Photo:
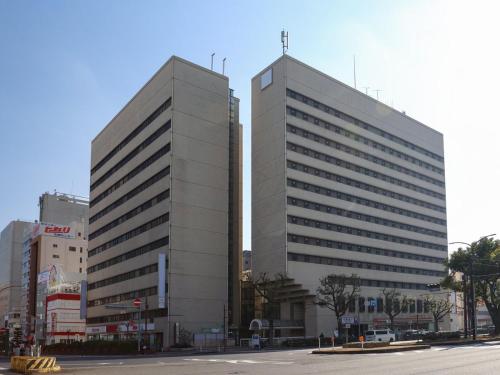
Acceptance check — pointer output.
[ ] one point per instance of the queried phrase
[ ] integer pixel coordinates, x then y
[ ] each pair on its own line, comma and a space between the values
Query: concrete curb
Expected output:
390, 349
459, 343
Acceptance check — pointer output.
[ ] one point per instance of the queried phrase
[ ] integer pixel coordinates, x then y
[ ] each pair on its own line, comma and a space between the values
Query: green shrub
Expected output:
442, 335
92, 347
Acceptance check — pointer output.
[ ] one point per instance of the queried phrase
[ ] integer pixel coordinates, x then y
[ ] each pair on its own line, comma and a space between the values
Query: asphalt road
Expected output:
471, 359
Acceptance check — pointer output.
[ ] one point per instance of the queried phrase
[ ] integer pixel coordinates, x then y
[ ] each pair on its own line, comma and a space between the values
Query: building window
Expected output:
55, 256
72, 248
419, 306
380, 305
266, 78
81, 259
412, 306
371, 302
361, 304
54, 245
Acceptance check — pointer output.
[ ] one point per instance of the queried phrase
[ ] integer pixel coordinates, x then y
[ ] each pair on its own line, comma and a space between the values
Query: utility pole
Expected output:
465, 297
473, 301
224, 329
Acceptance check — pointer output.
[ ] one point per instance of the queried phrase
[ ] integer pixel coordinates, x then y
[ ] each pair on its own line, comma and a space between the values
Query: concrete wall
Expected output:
268, 174
199, 227
64, 209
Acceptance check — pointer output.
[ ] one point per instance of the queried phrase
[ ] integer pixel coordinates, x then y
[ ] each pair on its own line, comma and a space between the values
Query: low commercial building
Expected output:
51, 249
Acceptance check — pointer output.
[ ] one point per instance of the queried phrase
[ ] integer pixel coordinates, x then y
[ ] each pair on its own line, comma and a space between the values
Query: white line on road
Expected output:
237, 361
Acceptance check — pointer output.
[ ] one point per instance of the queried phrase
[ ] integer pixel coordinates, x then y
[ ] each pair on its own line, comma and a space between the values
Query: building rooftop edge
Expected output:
404, 115
171, 59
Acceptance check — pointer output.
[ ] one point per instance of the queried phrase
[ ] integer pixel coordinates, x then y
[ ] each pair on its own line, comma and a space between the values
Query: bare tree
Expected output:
270, 290
337, 292
394, 303
439, 308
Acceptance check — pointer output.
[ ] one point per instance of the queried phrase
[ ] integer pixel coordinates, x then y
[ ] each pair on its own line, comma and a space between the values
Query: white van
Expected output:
385, 335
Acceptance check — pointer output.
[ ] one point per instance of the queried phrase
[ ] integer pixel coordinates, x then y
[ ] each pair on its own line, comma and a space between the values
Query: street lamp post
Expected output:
472, 293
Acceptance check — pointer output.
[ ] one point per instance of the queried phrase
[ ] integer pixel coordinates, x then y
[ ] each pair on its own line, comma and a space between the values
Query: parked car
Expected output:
383, 335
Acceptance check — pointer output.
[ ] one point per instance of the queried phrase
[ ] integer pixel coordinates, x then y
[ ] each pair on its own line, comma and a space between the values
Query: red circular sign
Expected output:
137, 302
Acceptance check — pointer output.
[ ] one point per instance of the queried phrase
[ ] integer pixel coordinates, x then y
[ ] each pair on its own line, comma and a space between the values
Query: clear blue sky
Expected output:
66, 67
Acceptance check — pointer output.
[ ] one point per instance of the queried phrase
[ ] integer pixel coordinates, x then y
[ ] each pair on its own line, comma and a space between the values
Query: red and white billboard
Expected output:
53, 230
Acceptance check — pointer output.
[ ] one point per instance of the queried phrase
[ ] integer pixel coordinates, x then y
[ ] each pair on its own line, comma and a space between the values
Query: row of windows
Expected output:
362, 217
133, 233
133, 134
361, 139
363, 233
364, 265
365, 202
411, 307
132, 154
360, 154
70, 248
368, 172
132, 193
129, 255
123, 297
361, 185
124, 276
132, 213
127, 317
312, 241
323, 107
134, 172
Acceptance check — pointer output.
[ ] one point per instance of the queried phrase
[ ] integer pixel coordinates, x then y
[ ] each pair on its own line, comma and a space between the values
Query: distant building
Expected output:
247, 260
63, 208
52, 249
165, 209
11, 267
59, 239
344, 184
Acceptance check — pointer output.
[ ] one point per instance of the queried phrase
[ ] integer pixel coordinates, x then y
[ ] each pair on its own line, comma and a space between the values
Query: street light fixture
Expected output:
472, 291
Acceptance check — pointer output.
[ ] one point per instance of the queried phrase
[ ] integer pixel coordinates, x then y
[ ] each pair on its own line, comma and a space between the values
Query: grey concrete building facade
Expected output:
343, 184
161, 177
11, 266
63, 209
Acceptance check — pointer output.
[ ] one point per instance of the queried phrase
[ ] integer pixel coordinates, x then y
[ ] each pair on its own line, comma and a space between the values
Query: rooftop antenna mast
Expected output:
377, 91
212, 62
284, 40
366, 89
223, 65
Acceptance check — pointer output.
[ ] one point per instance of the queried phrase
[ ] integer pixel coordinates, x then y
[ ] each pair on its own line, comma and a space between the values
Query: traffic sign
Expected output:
137, 302
348, 319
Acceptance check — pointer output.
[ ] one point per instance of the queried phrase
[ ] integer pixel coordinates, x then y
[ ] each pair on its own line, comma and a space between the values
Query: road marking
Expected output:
237, 361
